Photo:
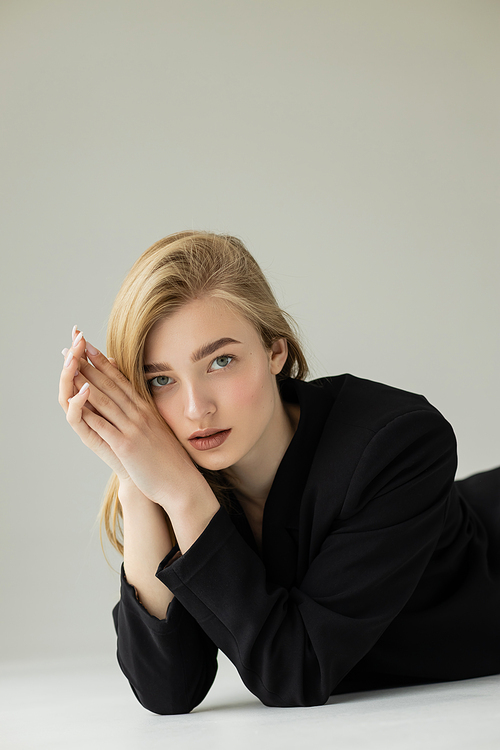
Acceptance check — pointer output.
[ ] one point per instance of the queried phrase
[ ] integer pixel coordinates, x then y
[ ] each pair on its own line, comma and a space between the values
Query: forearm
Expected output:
147, 539
191, 510
146, 542
169, 662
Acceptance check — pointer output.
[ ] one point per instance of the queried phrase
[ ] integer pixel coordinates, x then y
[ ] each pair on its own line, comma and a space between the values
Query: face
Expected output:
215, 384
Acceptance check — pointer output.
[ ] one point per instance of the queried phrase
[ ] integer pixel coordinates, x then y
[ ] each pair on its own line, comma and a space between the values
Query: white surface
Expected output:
88, 704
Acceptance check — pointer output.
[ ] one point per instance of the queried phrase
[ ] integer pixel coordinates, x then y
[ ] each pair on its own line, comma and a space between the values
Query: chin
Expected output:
212, 463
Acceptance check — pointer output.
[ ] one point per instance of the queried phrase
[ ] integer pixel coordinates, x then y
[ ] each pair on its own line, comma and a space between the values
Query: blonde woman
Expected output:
312, 531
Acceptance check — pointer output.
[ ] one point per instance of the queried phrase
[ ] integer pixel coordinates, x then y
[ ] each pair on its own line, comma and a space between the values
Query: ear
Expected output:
278, 355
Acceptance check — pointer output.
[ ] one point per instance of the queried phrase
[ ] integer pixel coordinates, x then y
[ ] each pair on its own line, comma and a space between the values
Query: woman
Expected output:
311, 531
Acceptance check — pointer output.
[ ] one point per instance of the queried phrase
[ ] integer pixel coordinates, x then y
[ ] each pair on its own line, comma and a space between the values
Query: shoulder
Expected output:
376, 437
348, 413
361, 403
362, 418
369, 400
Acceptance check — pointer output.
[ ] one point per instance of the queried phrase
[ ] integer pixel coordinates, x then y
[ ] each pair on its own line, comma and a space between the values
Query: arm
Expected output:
293, 647
124, 432
146, 540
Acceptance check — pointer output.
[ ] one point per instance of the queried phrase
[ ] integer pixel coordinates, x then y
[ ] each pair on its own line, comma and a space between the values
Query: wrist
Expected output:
188, 491
190, 514
129, 494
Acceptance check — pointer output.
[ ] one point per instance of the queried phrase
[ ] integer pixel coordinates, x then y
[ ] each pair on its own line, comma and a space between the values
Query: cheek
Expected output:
252, 391
166, 411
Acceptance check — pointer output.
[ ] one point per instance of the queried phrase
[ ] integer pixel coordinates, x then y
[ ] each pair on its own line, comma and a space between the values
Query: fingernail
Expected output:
84, 388
64, 351
92, 350
77, 373
78, 339
68, 359
73, 333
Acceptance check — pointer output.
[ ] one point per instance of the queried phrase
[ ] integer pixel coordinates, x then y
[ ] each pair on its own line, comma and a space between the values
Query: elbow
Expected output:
292, 696
166, 705
277, 687
298, 701
168, 698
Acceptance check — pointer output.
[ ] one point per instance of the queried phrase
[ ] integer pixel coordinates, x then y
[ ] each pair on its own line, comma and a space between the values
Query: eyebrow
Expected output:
201, 353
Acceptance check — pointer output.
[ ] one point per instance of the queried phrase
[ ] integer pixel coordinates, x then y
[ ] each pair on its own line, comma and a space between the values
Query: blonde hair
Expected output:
177, 269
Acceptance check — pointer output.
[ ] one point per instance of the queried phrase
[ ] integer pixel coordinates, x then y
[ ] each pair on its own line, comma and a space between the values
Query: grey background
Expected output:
352, 144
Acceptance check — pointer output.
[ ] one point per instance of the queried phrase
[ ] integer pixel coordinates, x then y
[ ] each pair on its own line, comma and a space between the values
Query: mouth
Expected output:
205, 440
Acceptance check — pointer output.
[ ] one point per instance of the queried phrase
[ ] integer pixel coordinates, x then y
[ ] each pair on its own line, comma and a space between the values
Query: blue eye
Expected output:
221, 362
159, 381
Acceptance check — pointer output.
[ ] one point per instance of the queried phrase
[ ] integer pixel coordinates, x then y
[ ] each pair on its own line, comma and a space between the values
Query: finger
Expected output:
70, 368
77, 414
80, 419
82, 394
65, 353
78, 344
75, 407
100, 403
74, 361
66, 381
108, 378
107, 366
79, 381
96, 422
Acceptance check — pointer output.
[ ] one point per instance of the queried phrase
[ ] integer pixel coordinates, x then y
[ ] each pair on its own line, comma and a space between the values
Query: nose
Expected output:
198, 403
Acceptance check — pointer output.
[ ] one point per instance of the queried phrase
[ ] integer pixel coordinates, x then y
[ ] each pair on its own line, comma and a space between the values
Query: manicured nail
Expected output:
92, 350
78, 339
73, 333
68, 359
76, 373
84, 388
64, 351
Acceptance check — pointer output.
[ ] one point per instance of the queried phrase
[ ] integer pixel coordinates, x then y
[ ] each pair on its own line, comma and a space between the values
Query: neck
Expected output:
252, 478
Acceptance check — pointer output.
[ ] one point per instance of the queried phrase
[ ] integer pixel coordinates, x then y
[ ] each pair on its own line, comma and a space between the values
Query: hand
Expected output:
68, 389
123, 429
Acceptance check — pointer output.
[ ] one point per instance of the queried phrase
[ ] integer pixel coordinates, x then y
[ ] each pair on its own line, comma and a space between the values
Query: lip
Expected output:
204, 440
205, 433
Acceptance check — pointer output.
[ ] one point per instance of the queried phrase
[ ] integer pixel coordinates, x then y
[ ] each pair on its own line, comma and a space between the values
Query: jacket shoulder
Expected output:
367, 404
376, 436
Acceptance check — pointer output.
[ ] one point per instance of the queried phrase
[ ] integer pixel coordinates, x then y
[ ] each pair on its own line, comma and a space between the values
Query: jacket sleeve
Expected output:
171, 663
293, 647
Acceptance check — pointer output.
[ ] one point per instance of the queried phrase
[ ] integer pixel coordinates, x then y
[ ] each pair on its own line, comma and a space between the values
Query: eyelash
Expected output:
230, 357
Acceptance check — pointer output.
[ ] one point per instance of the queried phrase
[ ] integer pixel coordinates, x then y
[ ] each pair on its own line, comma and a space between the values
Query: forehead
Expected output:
198, 322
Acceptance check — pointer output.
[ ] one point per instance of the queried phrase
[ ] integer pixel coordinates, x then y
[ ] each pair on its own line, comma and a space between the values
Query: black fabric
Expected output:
376, 568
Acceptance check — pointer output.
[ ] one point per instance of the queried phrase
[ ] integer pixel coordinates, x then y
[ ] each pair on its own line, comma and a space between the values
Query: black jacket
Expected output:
376, 569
